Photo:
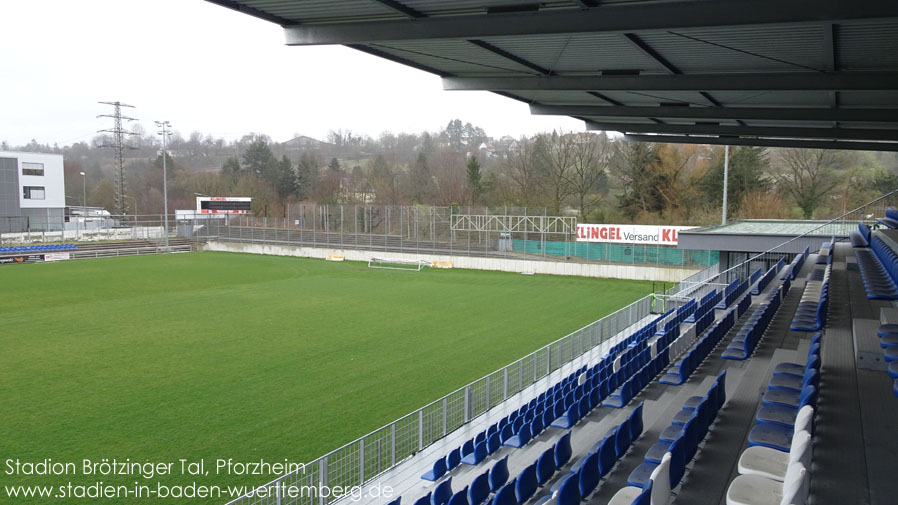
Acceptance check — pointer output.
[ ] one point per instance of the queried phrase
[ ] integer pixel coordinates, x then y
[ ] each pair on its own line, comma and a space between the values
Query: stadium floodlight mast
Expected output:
166, 126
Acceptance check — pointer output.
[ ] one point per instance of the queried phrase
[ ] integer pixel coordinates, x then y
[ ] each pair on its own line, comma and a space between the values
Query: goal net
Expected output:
398, 264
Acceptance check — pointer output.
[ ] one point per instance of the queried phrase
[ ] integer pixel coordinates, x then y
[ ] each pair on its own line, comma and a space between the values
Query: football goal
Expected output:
398, 264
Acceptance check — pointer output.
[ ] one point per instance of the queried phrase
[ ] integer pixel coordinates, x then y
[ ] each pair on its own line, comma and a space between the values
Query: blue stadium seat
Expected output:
479, 489
569, 493
787, 397
505, 495
607, 455
568, 419
442, 493
545, 467
453, 459
562, 453
525, 484
466, 449
589, 474
493, 443
635, 419
779, 437
895, 388
861, 236
424, 500
459, 498
438, 470
520, 439
396, 501
893, 369
477, 455
499, 474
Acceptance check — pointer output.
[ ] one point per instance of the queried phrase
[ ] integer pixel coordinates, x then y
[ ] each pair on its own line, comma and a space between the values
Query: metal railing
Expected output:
360, 461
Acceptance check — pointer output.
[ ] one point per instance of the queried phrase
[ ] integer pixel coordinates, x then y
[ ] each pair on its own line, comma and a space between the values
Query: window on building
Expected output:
32, 168
34, 192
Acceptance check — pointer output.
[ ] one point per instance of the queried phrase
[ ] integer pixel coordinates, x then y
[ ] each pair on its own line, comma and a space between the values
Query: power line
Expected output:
118, 135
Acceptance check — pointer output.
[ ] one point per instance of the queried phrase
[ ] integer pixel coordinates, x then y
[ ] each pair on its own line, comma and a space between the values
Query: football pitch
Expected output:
217, 355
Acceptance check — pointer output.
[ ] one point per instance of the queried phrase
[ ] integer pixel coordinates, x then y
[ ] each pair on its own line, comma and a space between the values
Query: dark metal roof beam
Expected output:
400, 8
709, 113
646, 49
256, 13
397, 59
755, 131
505, 54
586, 4
600, 96
786, 81
767, 142
613, 18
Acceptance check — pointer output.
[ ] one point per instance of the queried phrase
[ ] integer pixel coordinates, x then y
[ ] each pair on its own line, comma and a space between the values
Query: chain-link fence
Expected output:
360, 461
500, 232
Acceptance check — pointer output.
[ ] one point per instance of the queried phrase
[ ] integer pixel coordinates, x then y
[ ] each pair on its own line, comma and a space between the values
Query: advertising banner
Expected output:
57, 256
629, 233
22, 258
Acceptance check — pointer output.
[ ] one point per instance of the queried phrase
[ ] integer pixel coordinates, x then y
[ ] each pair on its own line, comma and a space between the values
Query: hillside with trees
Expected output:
595, 176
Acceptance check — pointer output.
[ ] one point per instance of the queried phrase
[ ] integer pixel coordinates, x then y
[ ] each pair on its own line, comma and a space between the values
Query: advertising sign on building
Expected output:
629, 234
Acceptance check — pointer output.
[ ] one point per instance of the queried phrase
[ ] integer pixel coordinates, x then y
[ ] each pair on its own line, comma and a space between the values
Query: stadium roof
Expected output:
802, 73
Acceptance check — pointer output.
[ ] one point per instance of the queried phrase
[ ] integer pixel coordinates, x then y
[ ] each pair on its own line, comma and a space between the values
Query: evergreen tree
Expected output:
475, 186
745, 175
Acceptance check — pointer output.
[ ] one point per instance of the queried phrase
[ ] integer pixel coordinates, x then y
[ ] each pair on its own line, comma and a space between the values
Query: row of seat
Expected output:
773, 469
812, 308
664, 464
745, 341
825, 254
707, 304
646, 368
37, 248
879, 270
768, 276
588, 471
890, 220
485, 443
791, 271
524, 486
861, 236
678, 373
753, 278
733, 291
888, 340
519, 427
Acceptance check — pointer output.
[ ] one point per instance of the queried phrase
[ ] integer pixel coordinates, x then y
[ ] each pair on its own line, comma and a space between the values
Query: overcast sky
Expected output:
209, 69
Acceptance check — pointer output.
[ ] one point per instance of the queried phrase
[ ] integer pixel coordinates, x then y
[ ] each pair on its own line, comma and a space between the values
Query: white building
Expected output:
32, 192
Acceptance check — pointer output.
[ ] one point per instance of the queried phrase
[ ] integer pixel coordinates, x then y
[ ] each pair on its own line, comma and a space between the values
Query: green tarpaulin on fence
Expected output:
621, 253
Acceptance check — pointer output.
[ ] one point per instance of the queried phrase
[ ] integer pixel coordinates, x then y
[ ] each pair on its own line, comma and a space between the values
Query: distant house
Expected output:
303, 143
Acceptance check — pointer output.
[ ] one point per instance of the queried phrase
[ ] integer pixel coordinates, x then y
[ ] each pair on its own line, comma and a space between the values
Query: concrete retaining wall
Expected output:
614, 271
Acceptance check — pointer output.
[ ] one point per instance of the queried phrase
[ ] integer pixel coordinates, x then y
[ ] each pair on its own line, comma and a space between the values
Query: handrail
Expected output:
774, 249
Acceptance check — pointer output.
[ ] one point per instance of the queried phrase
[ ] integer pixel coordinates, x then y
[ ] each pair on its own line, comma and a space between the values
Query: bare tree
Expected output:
522, 170
807, 175
450, 184
557, 152
590, 160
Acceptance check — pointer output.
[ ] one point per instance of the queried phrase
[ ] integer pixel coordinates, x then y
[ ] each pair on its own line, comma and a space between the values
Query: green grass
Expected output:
219, 355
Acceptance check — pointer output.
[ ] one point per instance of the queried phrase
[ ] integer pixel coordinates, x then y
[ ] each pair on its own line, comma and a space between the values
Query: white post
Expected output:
164, 133
726, 176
